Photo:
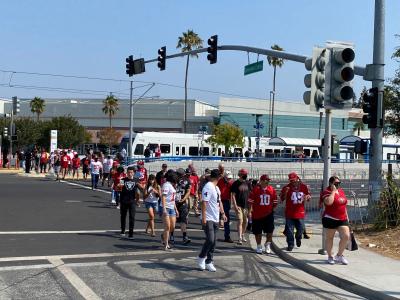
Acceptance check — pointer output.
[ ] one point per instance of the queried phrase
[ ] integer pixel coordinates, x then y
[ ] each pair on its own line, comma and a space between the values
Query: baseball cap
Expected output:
215, 173
180, 171
265, 177
243, 172
228, 174
140, 163
188, 171
164, 166
293, 176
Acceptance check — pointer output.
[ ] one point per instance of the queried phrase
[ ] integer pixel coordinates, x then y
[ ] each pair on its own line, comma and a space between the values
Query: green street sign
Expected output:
252, 68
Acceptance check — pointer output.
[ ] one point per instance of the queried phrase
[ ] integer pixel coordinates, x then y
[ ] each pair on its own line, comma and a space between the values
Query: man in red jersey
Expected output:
224, 184
294, 193
65, 162
194, 183
262, 201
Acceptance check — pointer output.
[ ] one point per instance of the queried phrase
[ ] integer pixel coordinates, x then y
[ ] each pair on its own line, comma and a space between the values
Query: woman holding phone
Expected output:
334, 219
152, 195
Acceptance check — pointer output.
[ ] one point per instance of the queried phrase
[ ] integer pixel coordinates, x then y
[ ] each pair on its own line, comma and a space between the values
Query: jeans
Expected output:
95, 180
227, 227
125, 209
210, 229
290, 225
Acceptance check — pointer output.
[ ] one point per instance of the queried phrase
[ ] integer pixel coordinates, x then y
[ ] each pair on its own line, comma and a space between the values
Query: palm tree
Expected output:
274, 62
188, 41
110, 107
37, 106
359, 126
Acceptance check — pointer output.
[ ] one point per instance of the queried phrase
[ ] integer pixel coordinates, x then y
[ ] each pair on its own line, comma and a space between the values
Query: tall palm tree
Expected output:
274, 62
37, 106
110, 107
187, 42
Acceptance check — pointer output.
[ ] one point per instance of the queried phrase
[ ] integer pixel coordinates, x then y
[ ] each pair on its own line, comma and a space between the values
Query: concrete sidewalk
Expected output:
368, 274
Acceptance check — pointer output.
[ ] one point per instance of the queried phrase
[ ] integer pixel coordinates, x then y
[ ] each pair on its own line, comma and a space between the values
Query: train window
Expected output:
165, 148
177, 150
193, 151
307, 152
206, 151
153, 147
183, 151
139, 149
219, 151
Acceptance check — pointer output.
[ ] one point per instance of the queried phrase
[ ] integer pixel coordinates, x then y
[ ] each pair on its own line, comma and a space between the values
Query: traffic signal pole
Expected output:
375, 163
130, 152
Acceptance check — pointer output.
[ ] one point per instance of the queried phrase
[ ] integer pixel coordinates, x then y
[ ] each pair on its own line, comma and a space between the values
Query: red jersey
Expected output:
65, 161
117, 178
194, 184
337, 210
263, 201
43, 158
225, 188
76, 162
143, 175
294, 198
115, 163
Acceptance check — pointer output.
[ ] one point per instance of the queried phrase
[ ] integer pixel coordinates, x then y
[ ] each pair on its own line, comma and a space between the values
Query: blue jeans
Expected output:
95, 180
227, 227
290, 225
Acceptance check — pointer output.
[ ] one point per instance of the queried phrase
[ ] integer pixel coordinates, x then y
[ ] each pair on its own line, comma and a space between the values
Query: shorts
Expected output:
56, 169
242, 215
333, 224
152, 205
170, 212
183, 210
263, 225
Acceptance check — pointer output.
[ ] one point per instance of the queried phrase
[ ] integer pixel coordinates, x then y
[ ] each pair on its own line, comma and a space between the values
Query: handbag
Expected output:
352, 243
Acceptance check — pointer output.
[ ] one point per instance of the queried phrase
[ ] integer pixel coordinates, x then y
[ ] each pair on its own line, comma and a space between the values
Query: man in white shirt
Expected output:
211, 208
107, 166
95, 168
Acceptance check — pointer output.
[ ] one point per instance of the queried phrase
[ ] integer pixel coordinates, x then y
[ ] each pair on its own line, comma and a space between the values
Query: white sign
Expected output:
53, 140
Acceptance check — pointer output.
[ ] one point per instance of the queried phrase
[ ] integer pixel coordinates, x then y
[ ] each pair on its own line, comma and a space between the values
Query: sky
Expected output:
92, 39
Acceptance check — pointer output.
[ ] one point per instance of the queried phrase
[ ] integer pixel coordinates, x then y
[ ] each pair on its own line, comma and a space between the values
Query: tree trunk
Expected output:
185, 108
38, 116
109, 115
273, 104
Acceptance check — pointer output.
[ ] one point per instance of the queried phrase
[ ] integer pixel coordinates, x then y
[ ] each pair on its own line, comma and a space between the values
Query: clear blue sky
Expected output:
93, 38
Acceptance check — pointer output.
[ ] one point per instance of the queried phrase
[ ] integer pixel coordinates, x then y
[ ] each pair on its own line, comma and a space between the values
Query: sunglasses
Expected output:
337, 183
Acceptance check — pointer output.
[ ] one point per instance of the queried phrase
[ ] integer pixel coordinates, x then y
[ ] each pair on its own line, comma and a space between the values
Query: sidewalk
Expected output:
368, 274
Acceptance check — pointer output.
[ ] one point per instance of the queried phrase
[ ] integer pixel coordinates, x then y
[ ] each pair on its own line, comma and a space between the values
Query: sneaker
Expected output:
306, 236
122, 233
341, 259
228, 240
130, 237
240, 242
331, 261
186, 240
118, 207
259, 249
201, 263
210, 267
167, 248
244, 239
289, 248
298, 243
268, 247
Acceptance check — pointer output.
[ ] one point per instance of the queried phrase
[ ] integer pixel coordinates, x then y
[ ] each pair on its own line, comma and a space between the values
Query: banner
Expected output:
53, 140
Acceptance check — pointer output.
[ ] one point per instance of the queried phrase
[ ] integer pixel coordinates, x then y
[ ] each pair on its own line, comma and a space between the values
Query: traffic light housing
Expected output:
162, 56
15, 105
370, 108
130, 66
361, 147
316, 80
339, 77
212, 49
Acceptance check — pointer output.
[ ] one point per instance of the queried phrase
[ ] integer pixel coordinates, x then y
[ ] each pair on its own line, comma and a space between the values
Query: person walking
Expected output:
65, 162
294, 194
335, 218
95, 169
115, 187
152, 195
262, 201
224, 185
57, 164
160, 176
107, 166
129, 201
44, 159
76, 164
85, 166
194, 190
211, 208
240, 191
183, 188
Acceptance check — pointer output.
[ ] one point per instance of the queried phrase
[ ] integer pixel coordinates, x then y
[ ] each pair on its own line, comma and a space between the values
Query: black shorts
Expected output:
333, 224
183, 211
265, 225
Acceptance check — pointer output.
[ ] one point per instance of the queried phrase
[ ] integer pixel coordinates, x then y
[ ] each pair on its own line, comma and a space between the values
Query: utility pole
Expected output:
11, 133
130, 152
375, 163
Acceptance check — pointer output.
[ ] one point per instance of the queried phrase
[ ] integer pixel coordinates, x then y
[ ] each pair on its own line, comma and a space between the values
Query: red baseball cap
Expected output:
140, 163
293, 176
265, 177
243, 172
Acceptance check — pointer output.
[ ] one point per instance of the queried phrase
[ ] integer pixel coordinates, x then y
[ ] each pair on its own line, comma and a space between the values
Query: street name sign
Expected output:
254, 67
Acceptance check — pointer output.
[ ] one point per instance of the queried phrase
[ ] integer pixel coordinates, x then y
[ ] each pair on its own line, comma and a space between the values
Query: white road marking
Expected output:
112, 231
83, 289
85, 186
72, 201
27, 267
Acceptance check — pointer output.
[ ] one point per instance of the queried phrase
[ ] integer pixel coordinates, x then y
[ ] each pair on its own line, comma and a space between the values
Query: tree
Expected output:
274, 62
110, 107
187, 42
29, 131
360, 102
227, 135
110, 137
359, 126
37, 106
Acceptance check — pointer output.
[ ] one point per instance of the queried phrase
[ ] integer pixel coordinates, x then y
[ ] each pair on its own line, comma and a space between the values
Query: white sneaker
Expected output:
331, 261
341, 259
210, 267
268, 247
259, 249
202, 263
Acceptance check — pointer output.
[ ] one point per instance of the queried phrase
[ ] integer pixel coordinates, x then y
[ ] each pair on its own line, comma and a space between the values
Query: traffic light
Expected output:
339, 78
316, 80
370, 108
212, 49
16, 105
361, 147
5, 132
130, 66
162, 56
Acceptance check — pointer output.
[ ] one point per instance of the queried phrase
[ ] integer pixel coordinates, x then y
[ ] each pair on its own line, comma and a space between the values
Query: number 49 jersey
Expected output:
294, 198
263, 201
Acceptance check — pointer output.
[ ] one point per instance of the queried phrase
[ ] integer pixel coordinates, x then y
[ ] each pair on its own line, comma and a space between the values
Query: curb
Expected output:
330, 278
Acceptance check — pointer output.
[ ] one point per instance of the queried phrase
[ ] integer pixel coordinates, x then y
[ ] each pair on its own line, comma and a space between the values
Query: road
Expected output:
59, 241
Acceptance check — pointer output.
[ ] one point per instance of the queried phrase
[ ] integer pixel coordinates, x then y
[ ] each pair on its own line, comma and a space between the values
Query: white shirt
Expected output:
95, 167
211, 195
107, 165
151, 198
169, 192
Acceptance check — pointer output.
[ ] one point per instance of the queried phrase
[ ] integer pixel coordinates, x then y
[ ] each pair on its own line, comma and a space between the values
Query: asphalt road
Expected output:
59, 241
